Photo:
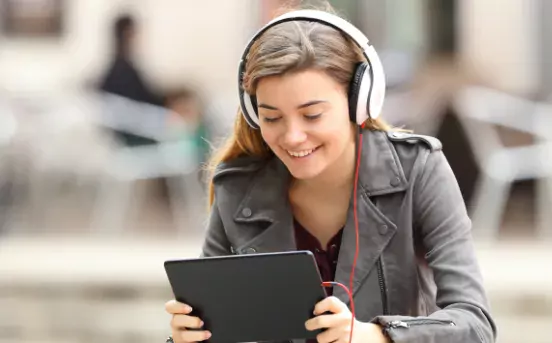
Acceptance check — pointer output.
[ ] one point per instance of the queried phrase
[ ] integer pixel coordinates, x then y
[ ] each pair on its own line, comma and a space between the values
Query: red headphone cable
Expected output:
349, 290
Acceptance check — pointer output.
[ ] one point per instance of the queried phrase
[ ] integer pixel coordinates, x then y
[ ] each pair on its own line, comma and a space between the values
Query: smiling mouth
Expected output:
301, 153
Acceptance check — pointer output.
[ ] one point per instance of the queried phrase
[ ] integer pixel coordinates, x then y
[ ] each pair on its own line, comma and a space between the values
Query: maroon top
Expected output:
326, 258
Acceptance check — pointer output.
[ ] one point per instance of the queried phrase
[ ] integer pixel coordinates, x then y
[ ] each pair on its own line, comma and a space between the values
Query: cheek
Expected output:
336, 140
338, 135
269, 136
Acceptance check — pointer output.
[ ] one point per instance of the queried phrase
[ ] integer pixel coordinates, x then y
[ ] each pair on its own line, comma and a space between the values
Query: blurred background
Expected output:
109, 108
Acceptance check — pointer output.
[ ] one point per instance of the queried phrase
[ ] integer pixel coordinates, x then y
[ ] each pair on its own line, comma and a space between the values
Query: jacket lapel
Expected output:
380, 173
266, 204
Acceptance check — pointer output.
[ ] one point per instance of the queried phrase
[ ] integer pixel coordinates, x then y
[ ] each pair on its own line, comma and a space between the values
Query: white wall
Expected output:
498, 42
194, 39
182, 41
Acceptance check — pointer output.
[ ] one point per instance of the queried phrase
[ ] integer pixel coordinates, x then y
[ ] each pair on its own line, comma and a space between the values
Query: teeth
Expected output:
300, 153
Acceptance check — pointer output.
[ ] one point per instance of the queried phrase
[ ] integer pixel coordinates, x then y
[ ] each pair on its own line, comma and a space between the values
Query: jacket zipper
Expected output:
383, 288
415, 322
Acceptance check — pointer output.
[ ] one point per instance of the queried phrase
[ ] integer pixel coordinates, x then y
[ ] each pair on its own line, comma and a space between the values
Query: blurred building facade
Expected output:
201, 41
187, 40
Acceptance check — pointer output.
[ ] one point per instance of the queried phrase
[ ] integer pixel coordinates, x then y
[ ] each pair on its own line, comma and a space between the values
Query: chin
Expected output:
304, 174
304, 168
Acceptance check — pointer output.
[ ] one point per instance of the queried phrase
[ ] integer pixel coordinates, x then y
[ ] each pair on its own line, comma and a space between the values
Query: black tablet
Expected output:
250, 298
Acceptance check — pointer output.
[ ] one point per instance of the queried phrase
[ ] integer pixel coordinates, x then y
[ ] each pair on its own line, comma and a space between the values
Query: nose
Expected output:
294, 135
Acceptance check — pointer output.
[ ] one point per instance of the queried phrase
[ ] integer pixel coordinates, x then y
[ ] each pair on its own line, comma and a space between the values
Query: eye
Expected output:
270, 120
313, 117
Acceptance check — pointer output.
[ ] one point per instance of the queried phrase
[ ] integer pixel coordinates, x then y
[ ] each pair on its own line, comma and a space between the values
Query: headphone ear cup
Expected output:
376, 94
355, 95
248, 106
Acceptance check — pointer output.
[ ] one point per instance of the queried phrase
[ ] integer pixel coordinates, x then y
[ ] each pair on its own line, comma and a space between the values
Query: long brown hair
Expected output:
288, 47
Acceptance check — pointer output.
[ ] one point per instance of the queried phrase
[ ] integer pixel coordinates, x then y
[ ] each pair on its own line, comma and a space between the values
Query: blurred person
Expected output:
306, 139
189, 125
123, 78
187, 107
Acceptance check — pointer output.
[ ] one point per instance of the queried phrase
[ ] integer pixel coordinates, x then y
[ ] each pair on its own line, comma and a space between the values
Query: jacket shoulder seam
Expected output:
434, 144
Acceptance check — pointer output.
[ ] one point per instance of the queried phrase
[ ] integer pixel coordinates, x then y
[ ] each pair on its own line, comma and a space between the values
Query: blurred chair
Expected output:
543, 128
481, 111
172, 158
58, 149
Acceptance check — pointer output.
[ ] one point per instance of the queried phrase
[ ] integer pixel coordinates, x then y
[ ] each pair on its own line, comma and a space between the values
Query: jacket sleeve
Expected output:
216, 242
443, 223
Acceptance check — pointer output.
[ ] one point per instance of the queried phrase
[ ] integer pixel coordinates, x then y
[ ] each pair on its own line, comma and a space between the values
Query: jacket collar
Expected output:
380, 173
266, 198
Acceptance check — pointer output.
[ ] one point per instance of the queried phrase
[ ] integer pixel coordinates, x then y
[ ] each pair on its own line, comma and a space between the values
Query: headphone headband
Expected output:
328, 19
325, 18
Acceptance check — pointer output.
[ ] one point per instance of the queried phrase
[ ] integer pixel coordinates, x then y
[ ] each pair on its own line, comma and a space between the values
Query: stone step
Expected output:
508, 268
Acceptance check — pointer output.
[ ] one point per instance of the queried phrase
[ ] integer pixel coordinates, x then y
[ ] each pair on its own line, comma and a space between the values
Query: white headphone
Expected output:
367, 90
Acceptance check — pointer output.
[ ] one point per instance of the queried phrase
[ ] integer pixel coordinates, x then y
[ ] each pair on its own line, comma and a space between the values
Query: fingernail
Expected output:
188, 309
201, 323
207, 334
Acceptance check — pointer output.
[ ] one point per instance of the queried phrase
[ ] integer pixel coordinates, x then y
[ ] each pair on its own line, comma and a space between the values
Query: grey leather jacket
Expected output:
417, 273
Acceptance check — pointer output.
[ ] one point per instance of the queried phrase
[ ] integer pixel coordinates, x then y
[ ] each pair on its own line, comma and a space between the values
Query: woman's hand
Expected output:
185, 328
337, 324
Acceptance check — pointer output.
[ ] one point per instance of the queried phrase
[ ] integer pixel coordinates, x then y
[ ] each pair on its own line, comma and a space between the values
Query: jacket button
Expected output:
383, 229
246, 212
249, 250
395, 182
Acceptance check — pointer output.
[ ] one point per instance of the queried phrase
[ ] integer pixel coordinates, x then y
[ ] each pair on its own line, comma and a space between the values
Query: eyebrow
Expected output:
306, 104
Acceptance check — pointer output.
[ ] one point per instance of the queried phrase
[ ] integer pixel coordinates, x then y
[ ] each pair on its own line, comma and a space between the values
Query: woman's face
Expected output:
304, 120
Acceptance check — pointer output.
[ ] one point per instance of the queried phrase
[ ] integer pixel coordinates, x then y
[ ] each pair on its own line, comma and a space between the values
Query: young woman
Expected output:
310, 166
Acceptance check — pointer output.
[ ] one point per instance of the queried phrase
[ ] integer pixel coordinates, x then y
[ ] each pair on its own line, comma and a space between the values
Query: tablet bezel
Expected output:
303, 260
